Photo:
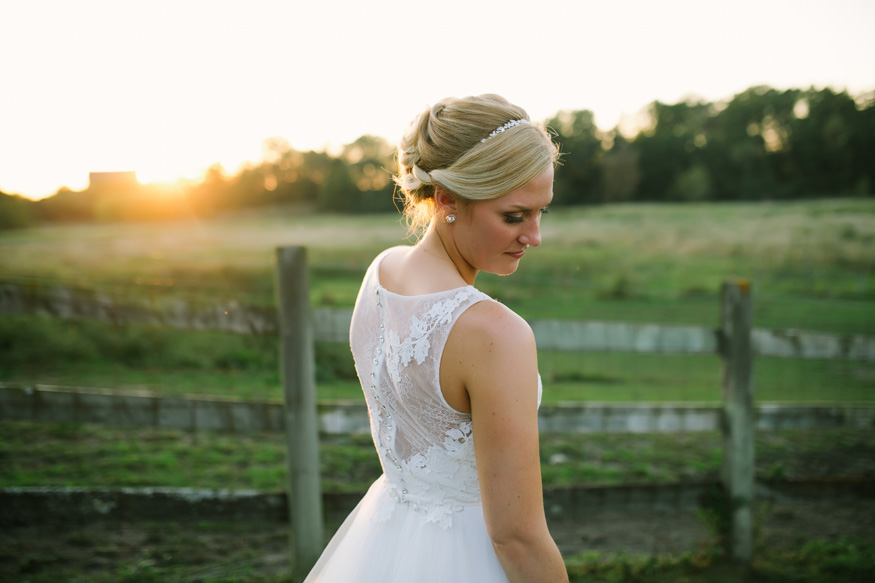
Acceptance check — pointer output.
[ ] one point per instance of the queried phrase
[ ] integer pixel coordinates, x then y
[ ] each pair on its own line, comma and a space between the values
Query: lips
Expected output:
518, 254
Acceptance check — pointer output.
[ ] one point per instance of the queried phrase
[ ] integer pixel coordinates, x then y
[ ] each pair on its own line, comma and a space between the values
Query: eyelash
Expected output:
513, 219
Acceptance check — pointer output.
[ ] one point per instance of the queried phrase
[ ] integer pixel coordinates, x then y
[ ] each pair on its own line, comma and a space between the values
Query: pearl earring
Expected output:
450, 219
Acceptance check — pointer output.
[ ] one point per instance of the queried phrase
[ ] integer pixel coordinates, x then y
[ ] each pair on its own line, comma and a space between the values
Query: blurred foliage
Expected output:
16, 212
763, 144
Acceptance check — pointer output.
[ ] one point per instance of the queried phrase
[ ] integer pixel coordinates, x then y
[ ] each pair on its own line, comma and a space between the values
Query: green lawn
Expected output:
810, 264
35, 454
40, 350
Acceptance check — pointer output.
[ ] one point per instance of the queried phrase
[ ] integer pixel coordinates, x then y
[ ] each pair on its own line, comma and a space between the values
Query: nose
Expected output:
532, 235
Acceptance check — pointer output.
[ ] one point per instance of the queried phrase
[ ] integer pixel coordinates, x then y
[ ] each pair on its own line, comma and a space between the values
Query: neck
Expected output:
438, 242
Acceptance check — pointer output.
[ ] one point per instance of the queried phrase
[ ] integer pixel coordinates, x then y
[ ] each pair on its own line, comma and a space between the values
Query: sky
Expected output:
169, 88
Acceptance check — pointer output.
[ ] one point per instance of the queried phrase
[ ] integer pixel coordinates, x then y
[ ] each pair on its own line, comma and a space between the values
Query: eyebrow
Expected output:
521, 207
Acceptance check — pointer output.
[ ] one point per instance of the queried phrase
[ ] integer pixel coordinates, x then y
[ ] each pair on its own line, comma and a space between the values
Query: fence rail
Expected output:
79, 405
332, 325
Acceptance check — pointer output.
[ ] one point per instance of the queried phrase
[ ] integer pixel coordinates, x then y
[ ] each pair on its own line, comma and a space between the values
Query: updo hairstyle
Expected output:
449, 145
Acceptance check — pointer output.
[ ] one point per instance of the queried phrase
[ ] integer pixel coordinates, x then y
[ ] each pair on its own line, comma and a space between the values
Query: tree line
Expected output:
763, 144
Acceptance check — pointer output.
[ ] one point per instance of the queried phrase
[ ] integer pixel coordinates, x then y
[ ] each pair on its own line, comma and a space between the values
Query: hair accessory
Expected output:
507, 126
450, 218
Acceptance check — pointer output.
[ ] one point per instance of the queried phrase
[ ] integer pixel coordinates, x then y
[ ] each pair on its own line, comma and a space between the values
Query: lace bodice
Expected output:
425, 446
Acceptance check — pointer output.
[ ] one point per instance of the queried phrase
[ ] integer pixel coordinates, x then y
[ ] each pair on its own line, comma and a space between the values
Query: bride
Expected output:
450, 375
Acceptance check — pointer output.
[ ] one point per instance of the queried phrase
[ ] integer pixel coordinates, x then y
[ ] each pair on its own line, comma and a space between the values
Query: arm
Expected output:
496, 351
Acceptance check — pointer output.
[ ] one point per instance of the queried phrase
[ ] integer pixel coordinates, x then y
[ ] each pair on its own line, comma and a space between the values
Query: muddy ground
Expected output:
197, 551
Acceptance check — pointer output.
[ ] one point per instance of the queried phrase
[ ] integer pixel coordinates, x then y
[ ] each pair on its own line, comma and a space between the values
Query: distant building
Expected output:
125, 179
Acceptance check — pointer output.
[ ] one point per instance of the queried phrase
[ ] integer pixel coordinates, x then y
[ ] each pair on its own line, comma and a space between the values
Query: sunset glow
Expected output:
169, 88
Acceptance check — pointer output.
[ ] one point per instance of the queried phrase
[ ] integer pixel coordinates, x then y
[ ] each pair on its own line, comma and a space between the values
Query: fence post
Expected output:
738, 416
299, 387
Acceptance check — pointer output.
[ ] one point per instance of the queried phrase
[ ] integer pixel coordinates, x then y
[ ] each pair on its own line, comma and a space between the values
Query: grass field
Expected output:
811, 264
174, 552
651, 258
36, 454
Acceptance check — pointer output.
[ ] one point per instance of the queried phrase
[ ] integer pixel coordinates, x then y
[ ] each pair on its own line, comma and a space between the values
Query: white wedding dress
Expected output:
422, 520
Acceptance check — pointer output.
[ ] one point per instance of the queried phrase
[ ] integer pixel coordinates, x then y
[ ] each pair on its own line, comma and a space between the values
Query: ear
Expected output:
444, 200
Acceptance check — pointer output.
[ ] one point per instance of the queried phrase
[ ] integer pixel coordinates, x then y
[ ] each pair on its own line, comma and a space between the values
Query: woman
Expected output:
450, 376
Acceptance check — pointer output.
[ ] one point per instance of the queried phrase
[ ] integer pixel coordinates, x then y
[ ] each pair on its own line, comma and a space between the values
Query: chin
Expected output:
503, 271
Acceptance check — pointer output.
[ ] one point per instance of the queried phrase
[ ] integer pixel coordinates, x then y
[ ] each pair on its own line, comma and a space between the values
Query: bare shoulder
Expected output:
490, 317
393, 261
494, 320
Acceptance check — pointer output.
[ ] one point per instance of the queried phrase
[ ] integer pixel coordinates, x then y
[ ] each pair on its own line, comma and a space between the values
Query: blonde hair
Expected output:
449, 146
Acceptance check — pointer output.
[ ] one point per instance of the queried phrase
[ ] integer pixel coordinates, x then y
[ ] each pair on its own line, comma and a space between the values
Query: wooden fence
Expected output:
298, 326
332, 324
54, 404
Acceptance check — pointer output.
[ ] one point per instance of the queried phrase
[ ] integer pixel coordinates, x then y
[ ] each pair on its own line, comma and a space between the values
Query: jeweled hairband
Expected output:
507, 126
425, 177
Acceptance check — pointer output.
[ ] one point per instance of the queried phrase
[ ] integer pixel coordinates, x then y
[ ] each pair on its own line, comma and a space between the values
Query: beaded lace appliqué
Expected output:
417, 344
436, 479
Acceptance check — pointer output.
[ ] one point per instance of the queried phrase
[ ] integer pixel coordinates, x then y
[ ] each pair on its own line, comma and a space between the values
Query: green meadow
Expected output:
811, 265
37, 454
117, 552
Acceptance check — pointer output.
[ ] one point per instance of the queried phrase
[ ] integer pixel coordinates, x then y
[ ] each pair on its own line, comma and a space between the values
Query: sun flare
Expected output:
97, 85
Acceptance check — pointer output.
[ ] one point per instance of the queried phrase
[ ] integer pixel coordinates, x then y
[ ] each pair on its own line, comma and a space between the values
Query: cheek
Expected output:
501, 236
489, 234
495, 231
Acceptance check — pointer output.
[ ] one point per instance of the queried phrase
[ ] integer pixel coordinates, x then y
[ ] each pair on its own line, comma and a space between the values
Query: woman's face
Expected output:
492, 235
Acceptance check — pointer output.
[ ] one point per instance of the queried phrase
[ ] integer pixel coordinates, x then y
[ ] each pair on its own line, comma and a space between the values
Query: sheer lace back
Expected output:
425, 446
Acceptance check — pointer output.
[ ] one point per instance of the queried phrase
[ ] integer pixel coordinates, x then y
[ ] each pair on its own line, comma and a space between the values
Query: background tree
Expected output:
338, 188
207, 197
748, 143
621, 170
286, 176
371, 164
831, 144
67, 206
579, 177
672, 164
16, 212
761, 144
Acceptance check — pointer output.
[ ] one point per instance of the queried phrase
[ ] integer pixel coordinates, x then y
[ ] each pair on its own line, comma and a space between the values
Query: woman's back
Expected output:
425, 446
422, 520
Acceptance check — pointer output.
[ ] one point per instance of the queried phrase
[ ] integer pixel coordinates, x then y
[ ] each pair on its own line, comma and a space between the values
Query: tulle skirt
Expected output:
405, 549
